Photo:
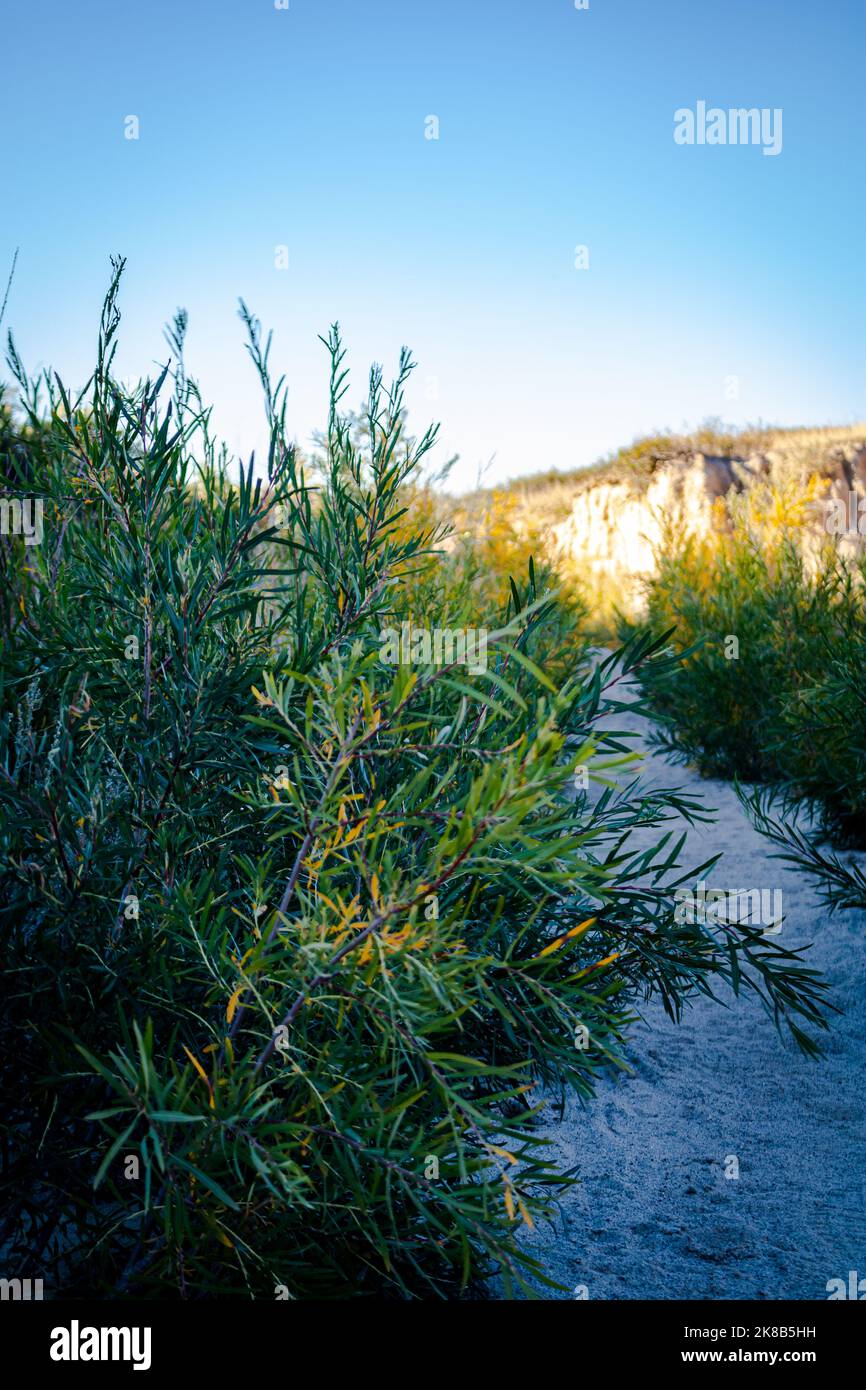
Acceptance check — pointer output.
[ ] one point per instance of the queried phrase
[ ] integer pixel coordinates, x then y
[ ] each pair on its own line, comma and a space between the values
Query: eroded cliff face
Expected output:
615, 527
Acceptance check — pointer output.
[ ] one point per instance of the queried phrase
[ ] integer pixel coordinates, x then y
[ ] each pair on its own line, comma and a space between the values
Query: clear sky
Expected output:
305, 127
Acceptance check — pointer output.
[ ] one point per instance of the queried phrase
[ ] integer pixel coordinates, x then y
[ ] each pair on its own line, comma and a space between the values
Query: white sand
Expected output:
654, 1215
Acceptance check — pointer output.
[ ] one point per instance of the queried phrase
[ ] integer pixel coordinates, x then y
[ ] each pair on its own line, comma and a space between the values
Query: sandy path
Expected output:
654, 1215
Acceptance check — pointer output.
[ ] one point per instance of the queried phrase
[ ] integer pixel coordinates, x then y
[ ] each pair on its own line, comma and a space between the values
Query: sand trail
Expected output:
654, 1215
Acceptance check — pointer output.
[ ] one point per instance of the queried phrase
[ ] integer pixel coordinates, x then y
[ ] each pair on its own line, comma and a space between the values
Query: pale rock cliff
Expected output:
610, 538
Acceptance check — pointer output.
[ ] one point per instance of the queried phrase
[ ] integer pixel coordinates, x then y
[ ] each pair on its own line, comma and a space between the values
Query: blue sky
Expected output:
305, 128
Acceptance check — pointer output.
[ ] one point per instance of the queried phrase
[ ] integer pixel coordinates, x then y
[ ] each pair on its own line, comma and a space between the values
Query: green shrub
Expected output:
822, 752
841, 884
821, 793
294, 936
769, 687
747, 631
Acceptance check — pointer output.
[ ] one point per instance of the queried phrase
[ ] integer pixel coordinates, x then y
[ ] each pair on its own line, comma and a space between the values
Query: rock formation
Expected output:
617, 522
